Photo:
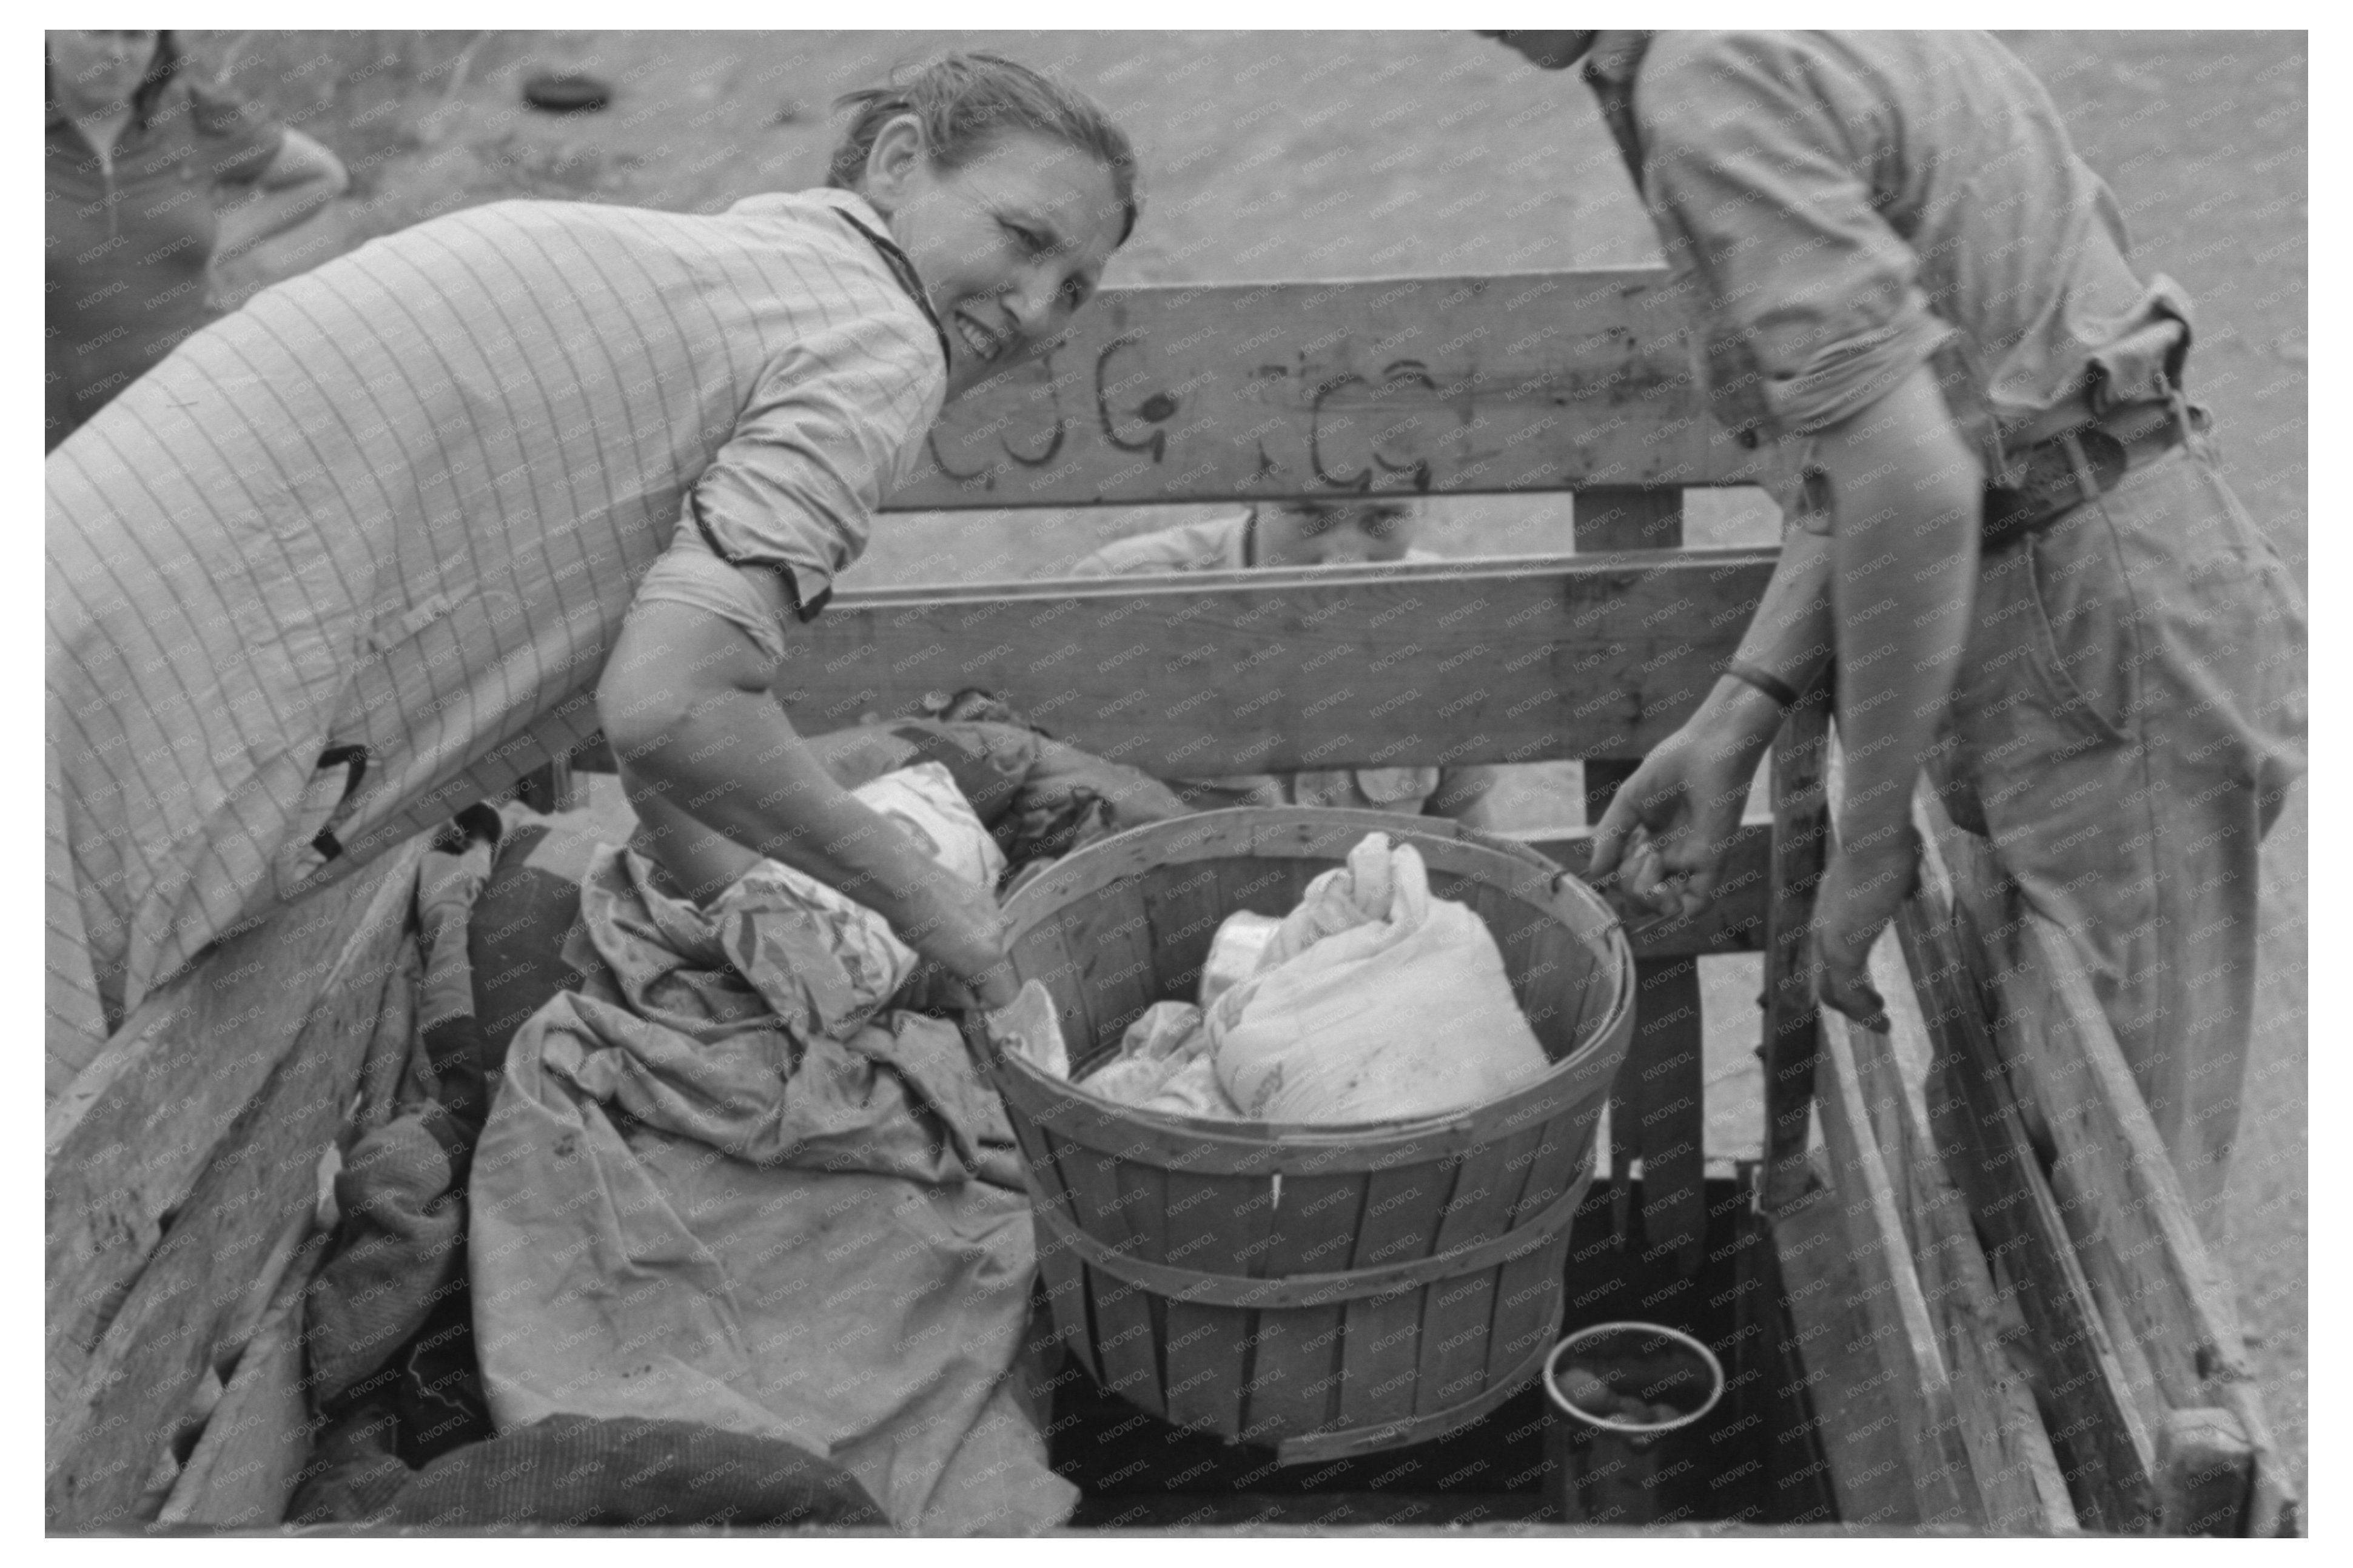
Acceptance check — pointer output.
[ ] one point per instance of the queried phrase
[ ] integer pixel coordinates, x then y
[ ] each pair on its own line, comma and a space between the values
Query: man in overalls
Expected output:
2010, 526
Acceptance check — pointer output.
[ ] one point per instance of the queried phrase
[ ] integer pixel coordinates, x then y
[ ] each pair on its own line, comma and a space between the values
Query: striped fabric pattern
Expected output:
403, 502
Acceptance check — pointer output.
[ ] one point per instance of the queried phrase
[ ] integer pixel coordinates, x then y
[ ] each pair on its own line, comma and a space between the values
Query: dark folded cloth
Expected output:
576, 1470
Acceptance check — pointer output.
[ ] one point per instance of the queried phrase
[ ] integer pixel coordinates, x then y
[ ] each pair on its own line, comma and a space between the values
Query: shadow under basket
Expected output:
1322, 1289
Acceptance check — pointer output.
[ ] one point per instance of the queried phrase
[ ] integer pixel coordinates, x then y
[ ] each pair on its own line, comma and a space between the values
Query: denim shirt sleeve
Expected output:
1759, 157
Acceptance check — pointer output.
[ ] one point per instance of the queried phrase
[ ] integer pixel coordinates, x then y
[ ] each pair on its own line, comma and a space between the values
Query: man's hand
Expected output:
1861, 892
1670, 826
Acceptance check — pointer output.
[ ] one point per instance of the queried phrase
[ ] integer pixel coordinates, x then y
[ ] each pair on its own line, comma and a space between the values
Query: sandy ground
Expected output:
1290, 155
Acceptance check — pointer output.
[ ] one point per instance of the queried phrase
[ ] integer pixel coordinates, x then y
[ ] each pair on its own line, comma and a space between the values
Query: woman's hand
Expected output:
1670, 826
958, 926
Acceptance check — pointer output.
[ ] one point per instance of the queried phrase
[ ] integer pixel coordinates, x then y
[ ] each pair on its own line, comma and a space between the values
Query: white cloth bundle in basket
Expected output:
1374, 1002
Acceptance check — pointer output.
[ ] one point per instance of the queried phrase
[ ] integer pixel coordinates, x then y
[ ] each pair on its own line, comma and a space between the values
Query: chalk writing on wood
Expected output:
1228, 393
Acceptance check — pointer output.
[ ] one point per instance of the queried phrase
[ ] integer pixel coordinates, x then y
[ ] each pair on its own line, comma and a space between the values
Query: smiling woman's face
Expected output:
1009, 245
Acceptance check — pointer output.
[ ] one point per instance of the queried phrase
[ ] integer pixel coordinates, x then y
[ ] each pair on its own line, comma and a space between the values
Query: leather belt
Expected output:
2055, 471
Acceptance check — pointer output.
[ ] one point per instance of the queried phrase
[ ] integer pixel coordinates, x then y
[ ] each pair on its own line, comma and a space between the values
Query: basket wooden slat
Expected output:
1328, 1289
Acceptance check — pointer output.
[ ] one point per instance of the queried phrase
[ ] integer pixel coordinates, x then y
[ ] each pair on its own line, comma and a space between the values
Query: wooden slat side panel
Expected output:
2099, 1413
1661, 1100
2110, 1166
2206, 1475
1352, 667
2161, 1297
1851, 1392
244, 1468
2010, 1454
101, 1441
1405, 385
126, 1142
1919, 1383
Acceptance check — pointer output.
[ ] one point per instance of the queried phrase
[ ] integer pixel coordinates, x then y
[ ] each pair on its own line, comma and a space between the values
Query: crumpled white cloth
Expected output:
721, 1183
1374, 1000
1164, 1064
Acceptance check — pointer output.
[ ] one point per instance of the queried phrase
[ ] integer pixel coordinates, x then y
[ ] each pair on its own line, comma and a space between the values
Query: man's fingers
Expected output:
1609, 837
1850, 991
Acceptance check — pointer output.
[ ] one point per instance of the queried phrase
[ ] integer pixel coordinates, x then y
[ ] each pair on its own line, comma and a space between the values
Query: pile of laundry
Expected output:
673, 1191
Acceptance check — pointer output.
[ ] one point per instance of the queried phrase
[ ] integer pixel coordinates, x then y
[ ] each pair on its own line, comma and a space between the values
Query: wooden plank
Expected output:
2124, 1206
2016, 1470
2099, 1424
1659, 1100
1847, 1387
2206, 1473
1797, 851
1919, 1383
1343, 666
2163, 1299
1406, 386
262, 1175
246, 1466
1659, 1107
126, 1142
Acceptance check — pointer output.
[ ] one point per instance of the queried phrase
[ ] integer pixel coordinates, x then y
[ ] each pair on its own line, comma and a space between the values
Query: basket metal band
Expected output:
1312, 1290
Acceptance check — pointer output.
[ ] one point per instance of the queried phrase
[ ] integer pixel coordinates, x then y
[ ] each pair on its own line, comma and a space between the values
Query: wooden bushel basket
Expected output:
1327, 1289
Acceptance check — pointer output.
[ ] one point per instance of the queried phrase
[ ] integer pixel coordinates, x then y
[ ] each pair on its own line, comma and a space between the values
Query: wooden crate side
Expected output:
2159, 1294
2011, 1458
1919, 1383
1216, 673
126, 1142
2099, 1420
1405, 385
262, 1175
1849, 1389
244, 1469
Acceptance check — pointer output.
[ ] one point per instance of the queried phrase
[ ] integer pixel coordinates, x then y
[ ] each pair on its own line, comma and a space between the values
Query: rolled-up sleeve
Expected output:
832, 425
1757, 158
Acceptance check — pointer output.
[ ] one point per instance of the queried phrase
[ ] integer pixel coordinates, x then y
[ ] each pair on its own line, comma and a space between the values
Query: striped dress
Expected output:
354, 555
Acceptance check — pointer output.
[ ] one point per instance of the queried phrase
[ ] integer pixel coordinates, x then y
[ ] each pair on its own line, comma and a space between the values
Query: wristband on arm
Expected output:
1765, 680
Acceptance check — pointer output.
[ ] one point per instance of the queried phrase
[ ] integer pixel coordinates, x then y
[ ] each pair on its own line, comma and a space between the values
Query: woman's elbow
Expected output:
640, 713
